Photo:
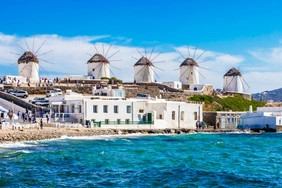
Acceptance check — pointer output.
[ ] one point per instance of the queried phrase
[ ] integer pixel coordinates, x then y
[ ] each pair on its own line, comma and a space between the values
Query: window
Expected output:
93, 69
161, 116
118, 121
72, 108
115, 109
173, 115
195, 115
182, 115
127, 121
106, 121
95, 109
105, 108
141, 111
128, 109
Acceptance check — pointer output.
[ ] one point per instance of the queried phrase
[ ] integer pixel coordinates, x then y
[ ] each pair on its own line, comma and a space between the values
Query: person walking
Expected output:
47, 118
41, 124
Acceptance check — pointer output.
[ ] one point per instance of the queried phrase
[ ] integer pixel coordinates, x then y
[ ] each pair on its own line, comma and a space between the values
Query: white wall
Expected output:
78, 77
257, 121
233, 84
189, 75
176, 85
144, 73
29, 70
98, 70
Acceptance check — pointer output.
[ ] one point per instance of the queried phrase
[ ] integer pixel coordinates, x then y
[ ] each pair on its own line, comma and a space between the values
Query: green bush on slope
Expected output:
234, 103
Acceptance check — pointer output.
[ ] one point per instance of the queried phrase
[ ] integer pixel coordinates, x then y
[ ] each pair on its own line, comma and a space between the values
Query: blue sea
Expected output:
191, 160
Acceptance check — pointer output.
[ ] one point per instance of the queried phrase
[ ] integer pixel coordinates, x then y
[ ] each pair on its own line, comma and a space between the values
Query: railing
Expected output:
99, 123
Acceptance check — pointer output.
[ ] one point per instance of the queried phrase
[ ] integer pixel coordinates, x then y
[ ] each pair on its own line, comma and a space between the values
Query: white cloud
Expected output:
69, 55
272, 56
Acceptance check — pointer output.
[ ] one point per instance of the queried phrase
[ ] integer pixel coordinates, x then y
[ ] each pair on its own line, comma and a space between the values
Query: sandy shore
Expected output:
51, 133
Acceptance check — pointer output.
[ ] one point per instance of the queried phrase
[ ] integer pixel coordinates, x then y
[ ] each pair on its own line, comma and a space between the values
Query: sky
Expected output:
243, 34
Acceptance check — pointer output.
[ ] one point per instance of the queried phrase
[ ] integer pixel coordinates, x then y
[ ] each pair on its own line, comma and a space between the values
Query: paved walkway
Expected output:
9, 106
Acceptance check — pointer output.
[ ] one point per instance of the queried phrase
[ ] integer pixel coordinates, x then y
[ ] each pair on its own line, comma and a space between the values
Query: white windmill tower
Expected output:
144, 69
99, 64
28, 63
233, 81
28, 66
189, 69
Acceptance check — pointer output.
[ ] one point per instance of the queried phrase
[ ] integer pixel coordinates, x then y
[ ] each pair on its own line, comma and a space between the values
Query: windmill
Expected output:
28, 63
99, 64
233, 81
144, 69
189, 68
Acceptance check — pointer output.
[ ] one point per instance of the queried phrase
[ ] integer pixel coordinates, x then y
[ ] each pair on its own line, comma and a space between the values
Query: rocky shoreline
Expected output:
33, 134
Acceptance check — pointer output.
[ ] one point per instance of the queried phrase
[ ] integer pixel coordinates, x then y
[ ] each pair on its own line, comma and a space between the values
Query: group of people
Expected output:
31, 118
201, 125
26, 117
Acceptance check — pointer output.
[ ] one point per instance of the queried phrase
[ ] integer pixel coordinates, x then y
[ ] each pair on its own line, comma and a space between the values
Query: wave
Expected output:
18, 144
102, 137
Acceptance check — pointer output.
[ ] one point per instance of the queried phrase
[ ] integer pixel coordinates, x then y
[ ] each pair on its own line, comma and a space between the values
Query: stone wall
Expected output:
210, 118
17, 101
131, 90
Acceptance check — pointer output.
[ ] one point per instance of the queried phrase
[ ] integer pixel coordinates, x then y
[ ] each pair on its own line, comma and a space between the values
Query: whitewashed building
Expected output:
265, 118
11, 79
109, 109
173, 84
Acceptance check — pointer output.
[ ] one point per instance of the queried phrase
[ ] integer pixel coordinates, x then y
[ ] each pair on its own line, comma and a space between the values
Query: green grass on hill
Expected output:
234, 103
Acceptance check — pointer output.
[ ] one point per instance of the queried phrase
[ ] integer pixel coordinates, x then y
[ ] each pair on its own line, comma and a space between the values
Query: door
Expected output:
149, 117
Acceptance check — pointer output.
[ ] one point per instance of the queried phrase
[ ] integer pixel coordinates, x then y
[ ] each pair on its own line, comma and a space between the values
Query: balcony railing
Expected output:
99, 123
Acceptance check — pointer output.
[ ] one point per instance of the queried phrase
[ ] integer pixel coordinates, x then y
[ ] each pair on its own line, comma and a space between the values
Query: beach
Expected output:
29, 134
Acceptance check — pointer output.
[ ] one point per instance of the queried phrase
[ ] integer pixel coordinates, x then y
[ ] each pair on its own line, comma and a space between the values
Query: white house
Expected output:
173, 84
112, 110
78, 77
10, 79
266, 118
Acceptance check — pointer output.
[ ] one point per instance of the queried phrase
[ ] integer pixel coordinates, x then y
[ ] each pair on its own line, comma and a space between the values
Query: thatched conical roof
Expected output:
143, 61
189, 62
233, 72
28, 57
98, 58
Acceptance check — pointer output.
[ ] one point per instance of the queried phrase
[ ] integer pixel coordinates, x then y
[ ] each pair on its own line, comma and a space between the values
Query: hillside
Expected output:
225, 103
275, 95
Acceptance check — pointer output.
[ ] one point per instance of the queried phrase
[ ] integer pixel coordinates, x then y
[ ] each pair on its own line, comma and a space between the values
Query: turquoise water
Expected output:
192, 160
